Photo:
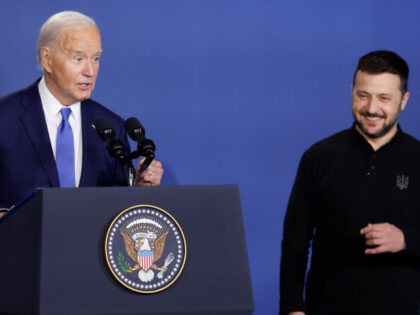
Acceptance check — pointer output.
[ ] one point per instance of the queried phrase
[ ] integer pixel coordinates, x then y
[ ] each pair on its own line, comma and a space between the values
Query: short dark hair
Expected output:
384, 61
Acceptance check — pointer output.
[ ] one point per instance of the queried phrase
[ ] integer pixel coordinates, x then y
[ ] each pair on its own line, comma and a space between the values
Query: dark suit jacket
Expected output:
26, 157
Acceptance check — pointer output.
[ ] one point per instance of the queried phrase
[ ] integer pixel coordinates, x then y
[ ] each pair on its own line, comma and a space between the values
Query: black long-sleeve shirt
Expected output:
342, 184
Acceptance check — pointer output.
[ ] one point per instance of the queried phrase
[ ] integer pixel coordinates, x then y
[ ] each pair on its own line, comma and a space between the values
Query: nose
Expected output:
372, 105
88, 69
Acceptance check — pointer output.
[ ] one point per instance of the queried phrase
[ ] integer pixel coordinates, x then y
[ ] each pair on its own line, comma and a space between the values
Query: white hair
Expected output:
50, 31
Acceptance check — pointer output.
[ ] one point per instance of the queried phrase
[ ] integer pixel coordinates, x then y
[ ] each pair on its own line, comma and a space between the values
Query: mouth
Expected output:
85, 86
372, 117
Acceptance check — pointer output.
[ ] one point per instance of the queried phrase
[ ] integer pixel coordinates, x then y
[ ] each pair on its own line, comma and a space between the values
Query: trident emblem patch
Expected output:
402, 182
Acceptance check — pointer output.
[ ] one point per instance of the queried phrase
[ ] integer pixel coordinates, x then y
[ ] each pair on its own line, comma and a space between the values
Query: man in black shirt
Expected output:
357, 198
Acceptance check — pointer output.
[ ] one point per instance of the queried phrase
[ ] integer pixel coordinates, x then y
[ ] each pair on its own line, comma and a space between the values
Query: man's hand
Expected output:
386, 238
296, 313
2, 213
152, 175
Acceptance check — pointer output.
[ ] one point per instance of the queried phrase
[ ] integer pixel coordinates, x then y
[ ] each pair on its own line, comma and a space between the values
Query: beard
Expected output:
381, 132
385, 128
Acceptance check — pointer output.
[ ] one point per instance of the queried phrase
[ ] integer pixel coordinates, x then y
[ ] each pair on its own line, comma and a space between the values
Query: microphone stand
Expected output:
147, 149
116, 149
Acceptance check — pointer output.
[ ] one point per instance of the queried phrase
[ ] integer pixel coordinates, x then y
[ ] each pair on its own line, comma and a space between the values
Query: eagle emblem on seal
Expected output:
144, 240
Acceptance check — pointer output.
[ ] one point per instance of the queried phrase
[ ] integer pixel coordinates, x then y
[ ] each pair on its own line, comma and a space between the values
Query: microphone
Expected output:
104, 129
107, 134
135, 129
115, 147
145, 147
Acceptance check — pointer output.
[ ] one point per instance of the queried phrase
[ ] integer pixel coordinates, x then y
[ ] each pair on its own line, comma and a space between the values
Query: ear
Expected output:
405, 100
46, 59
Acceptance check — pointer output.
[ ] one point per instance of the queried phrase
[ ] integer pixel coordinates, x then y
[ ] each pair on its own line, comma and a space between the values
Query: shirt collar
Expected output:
366, 146
50, 103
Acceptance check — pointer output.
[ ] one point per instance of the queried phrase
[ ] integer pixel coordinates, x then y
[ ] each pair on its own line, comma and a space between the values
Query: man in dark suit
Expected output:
46, 133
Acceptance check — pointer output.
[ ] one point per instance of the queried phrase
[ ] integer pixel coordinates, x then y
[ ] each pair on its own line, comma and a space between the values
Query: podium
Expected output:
52, 253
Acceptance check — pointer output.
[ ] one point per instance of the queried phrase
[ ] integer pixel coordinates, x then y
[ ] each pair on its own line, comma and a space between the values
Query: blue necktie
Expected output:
65, 151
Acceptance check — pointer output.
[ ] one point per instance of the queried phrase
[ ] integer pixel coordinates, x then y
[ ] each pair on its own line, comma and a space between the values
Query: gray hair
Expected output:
50, 31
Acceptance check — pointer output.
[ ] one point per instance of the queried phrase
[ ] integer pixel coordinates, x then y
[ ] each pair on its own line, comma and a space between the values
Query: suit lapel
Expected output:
35, 125
88, 134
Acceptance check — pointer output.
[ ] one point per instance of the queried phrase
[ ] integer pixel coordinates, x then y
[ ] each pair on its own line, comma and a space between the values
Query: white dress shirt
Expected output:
52, 107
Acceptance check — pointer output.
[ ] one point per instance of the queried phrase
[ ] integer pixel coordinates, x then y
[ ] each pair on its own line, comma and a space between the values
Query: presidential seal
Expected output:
145, 249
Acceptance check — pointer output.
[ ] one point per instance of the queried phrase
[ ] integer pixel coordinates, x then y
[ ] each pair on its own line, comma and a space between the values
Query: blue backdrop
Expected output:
231, 91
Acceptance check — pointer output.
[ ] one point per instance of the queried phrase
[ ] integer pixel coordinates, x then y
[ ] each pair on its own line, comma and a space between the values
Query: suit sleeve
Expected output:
297, 233
412, 241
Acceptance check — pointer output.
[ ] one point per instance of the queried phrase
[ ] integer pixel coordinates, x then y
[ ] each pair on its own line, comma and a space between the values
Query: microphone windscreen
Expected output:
103, 127
135, 129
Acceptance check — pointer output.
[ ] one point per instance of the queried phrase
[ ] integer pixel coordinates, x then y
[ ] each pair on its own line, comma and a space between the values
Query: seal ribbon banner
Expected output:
145, 249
